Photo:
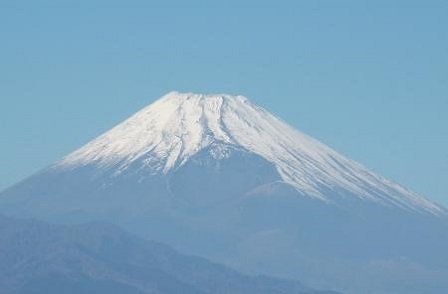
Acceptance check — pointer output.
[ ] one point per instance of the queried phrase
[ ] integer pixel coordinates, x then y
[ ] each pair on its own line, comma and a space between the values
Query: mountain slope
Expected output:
217, 176
36, 257
164, 135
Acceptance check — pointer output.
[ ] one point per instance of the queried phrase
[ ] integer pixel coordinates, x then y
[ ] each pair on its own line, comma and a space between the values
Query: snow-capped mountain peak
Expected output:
164, 135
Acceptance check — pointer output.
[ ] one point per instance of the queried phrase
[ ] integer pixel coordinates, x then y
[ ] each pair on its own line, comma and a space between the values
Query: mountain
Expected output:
99, 258
164, 136
220, 177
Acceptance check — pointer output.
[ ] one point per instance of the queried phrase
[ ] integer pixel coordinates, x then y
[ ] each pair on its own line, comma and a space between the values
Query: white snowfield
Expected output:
165, 134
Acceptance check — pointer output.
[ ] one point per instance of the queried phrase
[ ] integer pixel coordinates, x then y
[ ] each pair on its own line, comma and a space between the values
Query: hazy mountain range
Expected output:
39, 258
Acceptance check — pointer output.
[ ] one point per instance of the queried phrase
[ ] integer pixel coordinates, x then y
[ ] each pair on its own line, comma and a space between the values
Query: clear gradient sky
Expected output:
368, 78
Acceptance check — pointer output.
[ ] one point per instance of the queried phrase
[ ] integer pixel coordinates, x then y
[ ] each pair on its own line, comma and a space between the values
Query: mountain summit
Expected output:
220, 177
165, 135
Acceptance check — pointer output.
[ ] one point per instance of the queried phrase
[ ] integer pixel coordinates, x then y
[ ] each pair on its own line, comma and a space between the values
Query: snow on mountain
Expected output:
163, 136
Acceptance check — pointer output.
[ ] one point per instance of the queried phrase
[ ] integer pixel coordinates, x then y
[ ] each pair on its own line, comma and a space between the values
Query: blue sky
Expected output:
369, 78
